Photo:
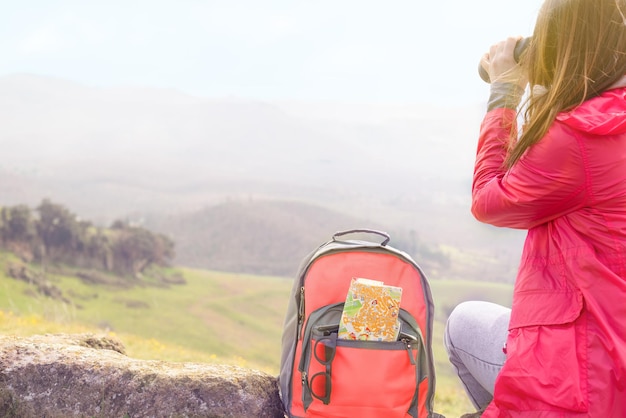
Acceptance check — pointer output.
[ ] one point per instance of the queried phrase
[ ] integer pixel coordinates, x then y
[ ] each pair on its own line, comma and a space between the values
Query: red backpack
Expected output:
325, 376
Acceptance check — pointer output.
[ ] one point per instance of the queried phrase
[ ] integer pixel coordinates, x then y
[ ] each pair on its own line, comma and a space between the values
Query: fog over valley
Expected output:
145, 154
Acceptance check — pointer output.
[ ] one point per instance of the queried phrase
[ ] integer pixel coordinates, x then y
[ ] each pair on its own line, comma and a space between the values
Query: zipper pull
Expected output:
307, 399
410, 351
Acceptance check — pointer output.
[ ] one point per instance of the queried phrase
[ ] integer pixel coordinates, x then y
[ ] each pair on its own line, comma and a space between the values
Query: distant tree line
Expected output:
52, 234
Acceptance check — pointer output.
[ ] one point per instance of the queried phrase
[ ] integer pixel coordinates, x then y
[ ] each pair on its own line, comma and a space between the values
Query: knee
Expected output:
458, 323
473, 321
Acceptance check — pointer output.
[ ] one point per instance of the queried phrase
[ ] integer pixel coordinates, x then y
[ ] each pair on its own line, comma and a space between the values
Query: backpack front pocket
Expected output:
368, 379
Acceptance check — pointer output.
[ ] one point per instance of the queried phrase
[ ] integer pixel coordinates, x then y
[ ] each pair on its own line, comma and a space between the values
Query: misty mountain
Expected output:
167, 142
265, 237
129, 152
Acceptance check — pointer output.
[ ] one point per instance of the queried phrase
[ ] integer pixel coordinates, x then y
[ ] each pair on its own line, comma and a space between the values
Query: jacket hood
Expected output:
602, 115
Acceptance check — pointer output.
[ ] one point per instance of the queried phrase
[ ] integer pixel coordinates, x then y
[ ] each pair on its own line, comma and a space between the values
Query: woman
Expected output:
564, 180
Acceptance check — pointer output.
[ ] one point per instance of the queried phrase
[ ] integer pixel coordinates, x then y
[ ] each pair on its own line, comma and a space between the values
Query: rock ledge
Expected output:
87, 375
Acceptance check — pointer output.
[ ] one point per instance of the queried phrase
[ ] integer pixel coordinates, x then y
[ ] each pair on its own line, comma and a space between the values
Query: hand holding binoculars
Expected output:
520, 47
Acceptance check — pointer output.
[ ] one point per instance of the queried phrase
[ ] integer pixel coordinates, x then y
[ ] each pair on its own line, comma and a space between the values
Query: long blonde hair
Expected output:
578, 50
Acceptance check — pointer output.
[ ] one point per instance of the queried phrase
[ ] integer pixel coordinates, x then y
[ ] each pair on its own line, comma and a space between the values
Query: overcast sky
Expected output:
399, 51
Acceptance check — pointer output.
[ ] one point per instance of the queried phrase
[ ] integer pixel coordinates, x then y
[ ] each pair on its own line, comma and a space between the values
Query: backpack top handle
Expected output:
366, 231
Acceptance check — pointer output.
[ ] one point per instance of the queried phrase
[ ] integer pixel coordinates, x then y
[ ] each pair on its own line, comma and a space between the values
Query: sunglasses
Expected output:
324, 352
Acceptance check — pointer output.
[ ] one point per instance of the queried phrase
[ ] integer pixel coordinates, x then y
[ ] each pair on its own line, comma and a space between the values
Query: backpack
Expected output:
325, 376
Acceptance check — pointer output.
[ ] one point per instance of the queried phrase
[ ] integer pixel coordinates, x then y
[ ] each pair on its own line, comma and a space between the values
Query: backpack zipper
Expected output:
301, 313
409, 350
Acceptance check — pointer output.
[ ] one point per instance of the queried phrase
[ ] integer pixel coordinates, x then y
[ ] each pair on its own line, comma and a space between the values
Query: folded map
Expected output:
371, 311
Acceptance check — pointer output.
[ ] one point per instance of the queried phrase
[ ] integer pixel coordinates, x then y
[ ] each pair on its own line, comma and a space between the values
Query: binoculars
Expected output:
520, 47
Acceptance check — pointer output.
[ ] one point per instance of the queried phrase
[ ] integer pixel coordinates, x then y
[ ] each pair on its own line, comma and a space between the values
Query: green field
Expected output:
214, 317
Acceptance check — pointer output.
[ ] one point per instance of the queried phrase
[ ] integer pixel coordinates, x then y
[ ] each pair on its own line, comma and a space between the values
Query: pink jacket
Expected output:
566, 349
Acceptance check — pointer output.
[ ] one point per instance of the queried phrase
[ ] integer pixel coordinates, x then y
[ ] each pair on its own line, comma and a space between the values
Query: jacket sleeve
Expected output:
547, 182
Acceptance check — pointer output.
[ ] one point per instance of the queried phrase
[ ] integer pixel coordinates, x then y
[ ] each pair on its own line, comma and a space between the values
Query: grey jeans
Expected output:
474, 339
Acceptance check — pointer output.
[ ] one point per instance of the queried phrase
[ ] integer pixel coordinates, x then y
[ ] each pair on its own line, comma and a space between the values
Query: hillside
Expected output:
273, 236
263, 237
266, 237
